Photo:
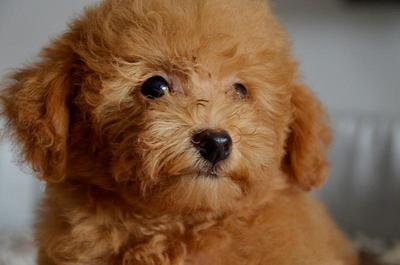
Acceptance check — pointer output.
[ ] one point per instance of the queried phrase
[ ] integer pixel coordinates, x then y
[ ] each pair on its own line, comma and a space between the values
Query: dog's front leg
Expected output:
159, 250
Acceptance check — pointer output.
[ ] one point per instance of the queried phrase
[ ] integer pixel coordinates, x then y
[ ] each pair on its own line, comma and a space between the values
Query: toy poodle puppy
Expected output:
174, 132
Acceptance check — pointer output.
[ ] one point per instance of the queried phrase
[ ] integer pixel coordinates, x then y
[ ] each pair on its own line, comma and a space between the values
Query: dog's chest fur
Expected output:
110, 233
167, 240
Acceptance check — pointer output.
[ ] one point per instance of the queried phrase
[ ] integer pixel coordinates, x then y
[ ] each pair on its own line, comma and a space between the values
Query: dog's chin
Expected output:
201, 191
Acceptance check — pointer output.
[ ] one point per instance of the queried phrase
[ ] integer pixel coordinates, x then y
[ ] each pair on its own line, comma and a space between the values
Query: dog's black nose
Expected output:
213, 145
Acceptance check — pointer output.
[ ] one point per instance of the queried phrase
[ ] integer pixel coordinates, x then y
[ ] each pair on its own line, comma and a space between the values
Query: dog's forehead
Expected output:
203, 83
176, 31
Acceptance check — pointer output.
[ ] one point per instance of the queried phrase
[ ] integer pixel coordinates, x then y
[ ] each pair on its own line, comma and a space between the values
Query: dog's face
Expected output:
186, 104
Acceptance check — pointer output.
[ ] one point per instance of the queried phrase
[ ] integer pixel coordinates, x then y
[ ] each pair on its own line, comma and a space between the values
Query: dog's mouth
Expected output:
211, 173
202, 168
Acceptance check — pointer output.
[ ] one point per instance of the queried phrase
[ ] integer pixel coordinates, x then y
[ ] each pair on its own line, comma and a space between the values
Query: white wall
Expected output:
349, 54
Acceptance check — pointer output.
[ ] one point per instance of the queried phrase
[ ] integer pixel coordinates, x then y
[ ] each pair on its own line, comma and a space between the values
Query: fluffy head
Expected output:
79, 116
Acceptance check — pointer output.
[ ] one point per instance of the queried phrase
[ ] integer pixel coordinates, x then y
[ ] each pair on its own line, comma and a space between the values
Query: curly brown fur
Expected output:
125, 184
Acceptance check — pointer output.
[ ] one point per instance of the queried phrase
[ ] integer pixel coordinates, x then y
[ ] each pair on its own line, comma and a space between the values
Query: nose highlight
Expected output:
213, 145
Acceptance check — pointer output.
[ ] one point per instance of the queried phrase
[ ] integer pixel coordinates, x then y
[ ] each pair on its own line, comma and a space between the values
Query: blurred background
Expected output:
349, 53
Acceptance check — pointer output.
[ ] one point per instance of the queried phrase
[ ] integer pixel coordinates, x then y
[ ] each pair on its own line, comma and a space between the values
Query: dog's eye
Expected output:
240, 89
154, 87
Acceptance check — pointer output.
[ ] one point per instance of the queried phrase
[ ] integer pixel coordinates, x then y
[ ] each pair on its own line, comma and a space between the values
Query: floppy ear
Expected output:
308, 141
36, 111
